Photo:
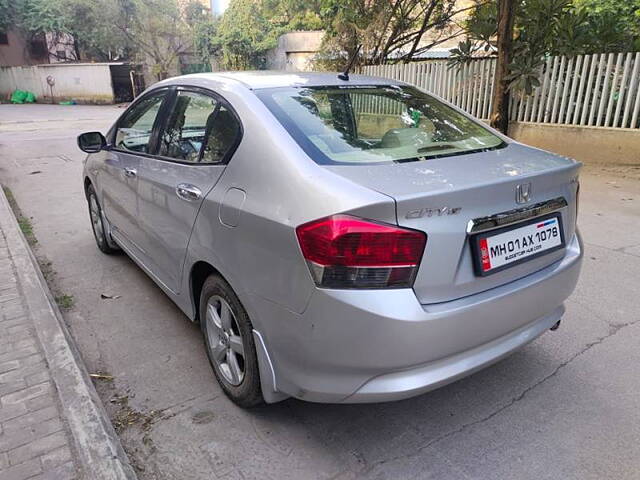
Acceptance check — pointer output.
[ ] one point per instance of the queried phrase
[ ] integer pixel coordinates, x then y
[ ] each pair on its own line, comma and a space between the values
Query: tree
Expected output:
6, 13
615, 24
90, 23
552, 27
289, 15
500, 106
151, 31
93, 26
241, 38
203, 34
40, 16
396, 30
157, 32
543, 28
35, 19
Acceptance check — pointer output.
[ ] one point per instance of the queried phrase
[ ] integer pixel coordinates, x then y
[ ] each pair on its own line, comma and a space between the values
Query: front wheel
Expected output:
97, 223
228, 337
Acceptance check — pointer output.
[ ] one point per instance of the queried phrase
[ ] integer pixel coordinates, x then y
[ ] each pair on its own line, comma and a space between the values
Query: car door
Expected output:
198, 137
133, 138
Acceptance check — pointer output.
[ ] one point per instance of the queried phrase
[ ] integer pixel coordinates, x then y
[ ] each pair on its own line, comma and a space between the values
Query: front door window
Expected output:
134, 130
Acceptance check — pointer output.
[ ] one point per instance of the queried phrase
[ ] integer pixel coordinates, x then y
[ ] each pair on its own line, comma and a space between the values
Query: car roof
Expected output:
271, 78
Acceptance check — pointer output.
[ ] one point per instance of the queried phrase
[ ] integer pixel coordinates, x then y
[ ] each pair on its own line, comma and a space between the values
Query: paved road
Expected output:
566, 406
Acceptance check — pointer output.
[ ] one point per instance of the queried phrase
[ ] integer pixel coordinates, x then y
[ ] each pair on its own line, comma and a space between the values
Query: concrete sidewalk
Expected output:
52, 423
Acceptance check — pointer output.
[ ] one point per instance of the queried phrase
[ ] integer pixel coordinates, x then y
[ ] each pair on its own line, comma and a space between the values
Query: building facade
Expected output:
18, 49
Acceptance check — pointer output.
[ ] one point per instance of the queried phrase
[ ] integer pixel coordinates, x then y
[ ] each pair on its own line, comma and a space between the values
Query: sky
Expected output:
219, 6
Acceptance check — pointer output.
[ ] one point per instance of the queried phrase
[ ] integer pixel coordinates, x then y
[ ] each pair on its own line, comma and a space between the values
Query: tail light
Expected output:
349, 252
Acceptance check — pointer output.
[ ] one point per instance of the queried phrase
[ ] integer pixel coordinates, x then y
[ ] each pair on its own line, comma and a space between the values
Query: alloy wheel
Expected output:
96, 219
224, 340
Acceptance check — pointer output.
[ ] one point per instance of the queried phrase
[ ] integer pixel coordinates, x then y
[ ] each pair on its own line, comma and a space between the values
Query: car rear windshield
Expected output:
374, 124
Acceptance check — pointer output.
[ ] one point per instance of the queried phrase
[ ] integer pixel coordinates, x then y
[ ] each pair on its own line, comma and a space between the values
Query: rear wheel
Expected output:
97, 223
228, 337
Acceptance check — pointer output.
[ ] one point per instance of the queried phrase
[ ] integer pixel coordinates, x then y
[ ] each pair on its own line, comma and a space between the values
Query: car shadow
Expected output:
300, 437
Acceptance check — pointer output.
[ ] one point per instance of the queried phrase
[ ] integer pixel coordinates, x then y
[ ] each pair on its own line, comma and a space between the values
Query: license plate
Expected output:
508, 246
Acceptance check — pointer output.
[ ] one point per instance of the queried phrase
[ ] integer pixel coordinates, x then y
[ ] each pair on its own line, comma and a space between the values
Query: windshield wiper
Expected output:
435, 148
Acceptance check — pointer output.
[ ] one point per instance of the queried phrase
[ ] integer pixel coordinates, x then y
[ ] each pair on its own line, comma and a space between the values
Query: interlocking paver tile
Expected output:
34, 443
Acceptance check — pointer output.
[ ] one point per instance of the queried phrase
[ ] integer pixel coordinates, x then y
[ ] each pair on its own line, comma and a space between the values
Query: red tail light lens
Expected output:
349, 252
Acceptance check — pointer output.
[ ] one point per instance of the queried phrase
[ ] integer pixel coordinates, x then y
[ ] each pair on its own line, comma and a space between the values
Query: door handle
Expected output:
188, 192
130, 172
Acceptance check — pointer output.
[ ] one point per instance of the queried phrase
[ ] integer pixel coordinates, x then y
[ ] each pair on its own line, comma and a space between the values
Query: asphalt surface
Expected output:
566, 406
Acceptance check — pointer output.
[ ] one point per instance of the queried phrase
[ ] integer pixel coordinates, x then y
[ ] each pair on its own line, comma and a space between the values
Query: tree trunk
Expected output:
76, 47
500, 107
425, 22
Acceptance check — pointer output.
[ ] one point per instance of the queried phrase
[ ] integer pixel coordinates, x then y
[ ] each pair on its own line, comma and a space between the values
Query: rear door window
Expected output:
200, 129
224, 134
184, 134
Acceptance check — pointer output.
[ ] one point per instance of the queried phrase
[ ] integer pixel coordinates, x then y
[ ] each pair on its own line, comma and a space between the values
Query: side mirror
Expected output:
91, 142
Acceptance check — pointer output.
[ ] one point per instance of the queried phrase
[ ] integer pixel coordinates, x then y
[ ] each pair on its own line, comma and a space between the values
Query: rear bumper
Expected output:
372, 346
409, 383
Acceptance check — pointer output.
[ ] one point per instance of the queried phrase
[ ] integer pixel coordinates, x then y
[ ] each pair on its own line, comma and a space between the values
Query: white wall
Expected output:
295, 51
82, 82
614, 146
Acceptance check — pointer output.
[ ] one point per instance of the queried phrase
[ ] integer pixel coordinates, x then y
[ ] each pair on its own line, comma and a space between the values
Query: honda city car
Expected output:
339, 239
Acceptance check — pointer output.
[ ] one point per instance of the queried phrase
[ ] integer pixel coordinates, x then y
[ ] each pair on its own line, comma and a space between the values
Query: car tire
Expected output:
228, 339
97, 222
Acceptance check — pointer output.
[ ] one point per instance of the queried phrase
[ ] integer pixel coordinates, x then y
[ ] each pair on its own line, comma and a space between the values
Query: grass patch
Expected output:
27, 228
23, 222
65, 301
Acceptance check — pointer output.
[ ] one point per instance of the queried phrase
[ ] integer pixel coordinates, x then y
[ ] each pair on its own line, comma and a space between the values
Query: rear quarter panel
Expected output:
284, 188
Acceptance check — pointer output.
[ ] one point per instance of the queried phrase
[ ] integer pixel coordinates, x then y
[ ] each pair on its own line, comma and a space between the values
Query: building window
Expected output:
38, 47
4, 38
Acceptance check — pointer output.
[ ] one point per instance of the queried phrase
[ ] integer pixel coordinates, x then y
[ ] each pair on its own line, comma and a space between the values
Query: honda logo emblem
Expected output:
523, 193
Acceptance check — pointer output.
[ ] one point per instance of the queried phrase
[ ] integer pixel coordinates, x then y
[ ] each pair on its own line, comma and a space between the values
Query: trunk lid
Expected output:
441, 196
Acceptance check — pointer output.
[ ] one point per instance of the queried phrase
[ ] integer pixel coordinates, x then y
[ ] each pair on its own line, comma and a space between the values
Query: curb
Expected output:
100, 453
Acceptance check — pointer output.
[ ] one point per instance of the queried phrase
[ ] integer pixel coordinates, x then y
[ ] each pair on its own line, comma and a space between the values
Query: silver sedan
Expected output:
338, 240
